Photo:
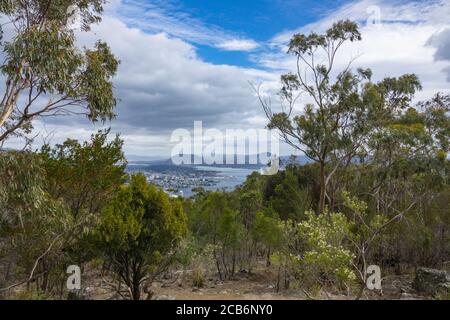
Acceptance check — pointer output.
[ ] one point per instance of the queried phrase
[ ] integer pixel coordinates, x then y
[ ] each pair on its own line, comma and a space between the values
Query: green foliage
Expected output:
287, 254
47, 203
20, 185
251, 201
267, 229
42, 62
380, 170
340, 31
368, 138
84, 175
362, 224
139, 230
40, 11
347, 114
326, 259
217, 220
289, 199
316, 251
34, 228
230, 229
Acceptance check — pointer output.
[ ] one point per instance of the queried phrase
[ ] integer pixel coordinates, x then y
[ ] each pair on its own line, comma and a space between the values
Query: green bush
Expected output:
139, 232
326, 259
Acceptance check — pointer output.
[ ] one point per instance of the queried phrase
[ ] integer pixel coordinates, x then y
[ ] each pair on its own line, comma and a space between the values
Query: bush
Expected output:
326, 260
198, 278
314, 251
139, 232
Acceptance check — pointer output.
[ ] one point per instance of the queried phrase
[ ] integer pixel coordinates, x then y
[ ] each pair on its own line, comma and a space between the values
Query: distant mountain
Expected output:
136, 158
197, 160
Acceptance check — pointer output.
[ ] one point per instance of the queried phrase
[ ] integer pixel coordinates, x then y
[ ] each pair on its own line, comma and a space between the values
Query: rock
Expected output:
431, 281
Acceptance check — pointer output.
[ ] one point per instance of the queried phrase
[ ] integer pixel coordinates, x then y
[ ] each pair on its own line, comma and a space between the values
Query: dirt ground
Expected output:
240, 289
254, 286
260, 287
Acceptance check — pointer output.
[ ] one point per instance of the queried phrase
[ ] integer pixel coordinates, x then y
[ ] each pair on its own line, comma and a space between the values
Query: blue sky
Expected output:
253, 20
254, 23
192, 60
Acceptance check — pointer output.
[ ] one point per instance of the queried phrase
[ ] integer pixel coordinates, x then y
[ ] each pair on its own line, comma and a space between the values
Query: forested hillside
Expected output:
375, 190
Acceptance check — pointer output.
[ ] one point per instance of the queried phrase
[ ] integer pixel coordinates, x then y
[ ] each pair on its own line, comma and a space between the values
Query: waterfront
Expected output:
227, 178
180, 180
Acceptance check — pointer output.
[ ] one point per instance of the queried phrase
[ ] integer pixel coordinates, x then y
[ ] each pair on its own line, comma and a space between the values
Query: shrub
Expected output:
325, 259
139, 232
198, 278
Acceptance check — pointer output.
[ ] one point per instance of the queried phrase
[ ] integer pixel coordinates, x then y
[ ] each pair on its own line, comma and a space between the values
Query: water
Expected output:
229, 178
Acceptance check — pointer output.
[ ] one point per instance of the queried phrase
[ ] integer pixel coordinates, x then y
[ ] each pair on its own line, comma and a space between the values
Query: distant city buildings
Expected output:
173, 182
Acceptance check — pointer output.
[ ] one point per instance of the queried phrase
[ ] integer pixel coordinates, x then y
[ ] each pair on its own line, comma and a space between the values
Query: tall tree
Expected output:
346, 108
45, 73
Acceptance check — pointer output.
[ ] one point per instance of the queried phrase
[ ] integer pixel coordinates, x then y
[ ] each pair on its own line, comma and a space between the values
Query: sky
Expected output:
194, 60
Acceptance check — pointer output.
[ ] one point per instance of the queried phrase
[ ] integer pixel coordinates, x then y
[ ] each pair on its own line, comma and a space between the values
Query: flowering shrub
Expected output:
325, 258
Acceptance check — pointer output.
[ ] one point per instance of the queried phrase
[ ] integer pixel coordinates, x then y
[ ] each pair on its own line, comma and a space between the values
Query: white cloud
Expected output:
434, 12
441, 41
399, 44
155, 16
238, 45
162, 84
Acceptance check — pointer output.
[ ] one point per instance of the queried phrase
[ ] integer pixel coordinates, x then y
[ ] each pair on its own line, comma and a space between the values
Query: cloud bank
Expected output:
163, 84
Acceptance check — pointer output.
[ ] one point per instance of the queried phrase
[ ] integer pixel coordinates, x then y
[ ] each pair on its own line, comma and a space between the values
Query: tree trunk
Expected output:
6, 109
136, 291
322, 188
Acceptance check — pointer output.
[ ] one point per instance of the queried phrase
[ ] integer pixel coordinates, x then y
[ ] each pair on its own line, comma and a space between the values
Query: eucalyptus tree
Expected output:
44, 72
346, 107
34, 228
